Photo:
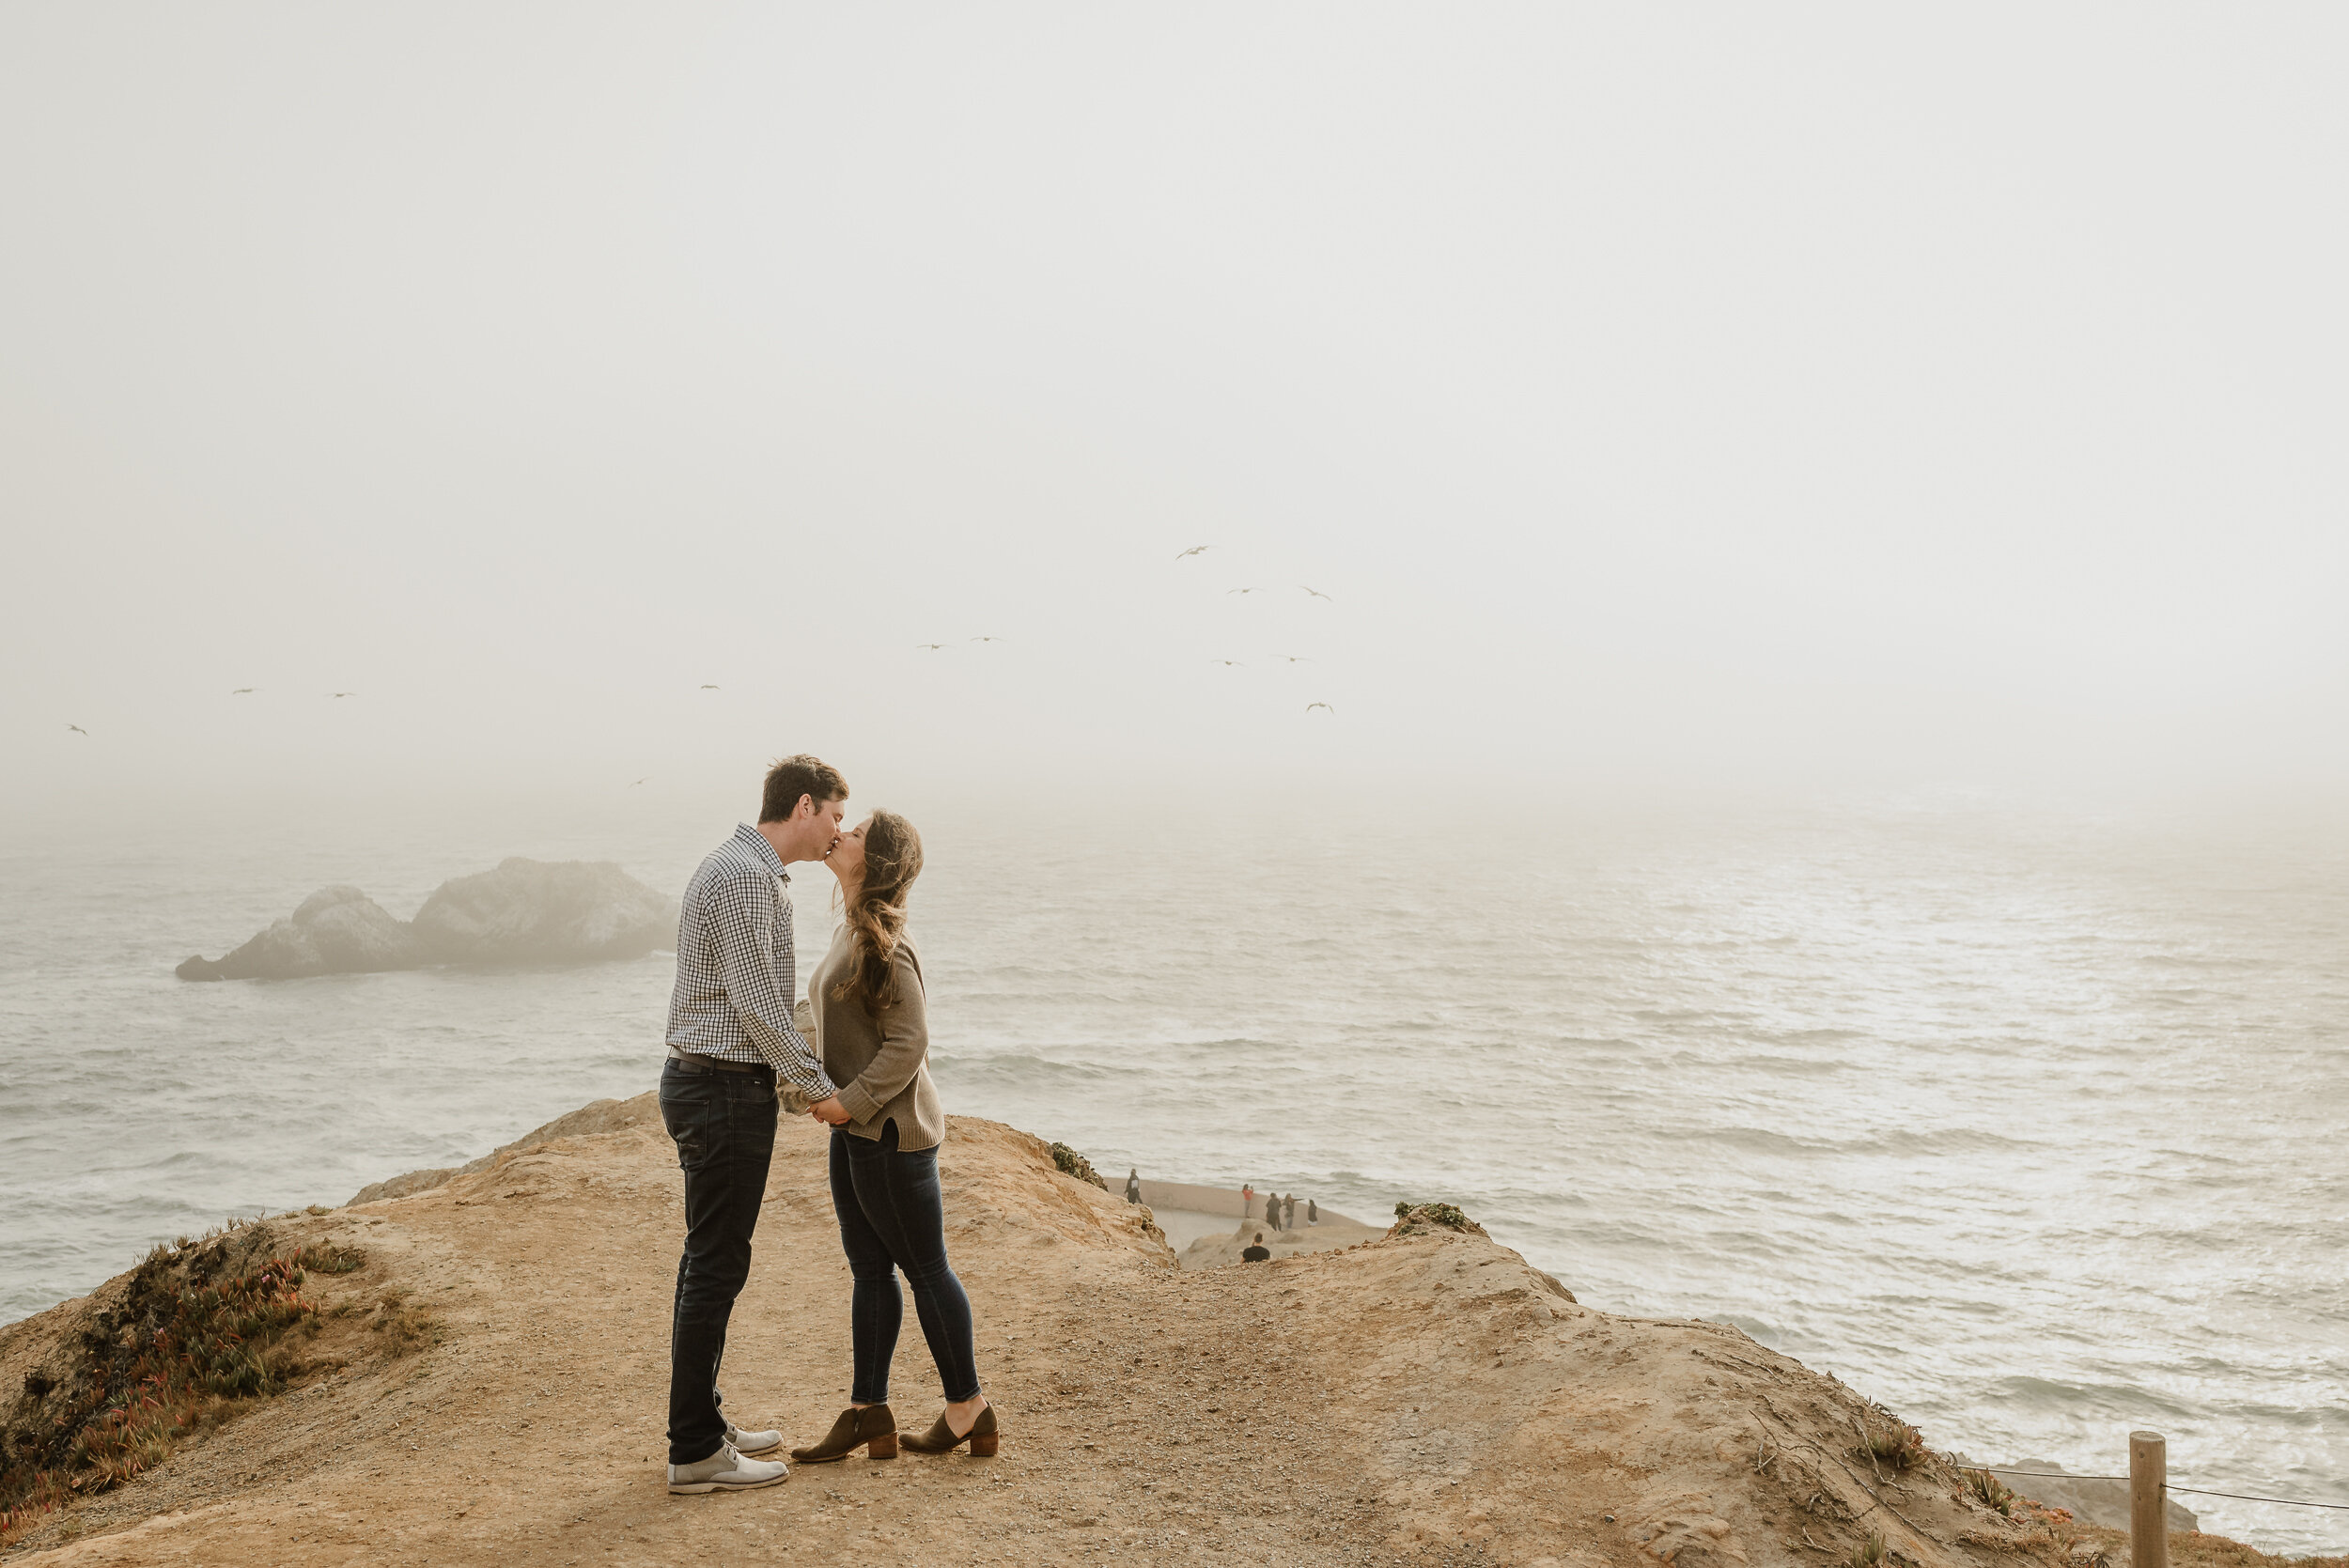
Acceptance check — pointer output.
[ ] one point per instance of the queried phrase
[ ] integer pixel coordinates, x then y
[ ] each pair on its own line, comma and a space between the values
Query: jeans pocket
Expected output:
685, 1112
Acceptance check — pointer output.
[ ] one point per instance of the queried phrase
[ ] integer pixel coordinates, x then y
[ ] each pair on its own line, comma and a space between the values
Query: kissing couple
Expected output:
735, 1042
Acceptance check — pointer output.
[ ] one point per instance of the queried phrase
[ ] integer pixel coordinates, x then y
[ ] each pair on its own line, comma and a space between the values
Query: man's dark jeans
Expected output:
725, 1127
892, 1218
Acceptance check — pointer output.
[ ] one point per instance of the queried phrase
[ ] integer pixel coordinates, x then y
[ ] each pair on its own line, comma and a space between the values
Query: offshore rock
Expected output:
526, 912
535, 911
337, 930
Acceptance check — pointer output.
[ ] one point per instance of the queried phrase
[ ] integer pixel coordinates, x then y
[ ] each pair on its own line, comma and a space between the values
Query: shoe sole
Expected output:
699, 1488
774, 1446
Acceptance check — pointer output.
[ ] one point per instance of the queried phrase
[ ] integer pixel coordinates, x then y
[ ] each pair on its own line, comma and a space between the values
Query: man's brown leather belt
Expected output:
694, 1062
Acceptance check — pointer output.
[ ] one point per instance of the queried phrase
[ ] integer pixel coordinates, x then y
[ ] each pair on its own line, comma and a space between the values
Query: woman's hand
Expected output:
830, 1113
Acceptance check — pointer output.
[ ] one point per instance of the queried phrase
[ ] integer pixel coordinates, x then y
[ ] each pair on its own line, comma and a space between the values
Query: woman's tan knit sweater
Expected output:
882, 1065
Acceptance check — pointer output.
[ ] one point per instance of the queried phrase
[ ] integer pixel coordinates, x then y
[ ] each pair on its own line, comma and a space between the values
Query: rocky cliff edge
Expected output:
480, 1379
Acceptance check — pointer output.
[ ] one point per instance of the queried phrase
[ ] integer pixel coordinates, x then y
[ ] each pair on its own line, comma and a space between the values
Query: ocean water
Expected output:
2030, 1126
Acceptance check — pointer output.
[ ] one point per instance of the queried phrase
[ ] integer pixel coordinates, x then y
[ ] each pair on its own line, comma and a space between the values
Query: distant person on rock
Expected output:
1248, 1202
1288, 1212
872, 1025
731, 1038
1258, 1253
1133, 1185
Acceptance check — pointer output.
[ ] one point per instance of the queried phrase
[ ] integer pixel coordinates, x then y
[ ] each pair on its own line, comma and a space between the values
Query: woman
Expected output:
871, 1031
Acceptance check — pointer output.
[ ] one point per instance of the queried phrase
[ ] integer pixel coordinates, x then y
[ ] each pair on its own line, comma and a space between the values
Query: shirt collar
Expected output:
756, 842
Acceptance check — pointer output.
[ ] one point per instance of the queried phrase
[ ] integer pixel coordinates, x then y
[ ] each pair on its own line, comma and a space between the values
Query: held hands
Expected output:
830, 1113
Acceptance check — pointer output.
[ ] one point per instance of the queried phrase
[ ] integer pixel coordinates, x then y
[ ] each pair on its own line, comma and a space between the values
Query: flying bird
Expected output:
1310, 707
1293, 658
932, 646
77, 729
710, 688
243, 692
987, 639
1239, 590
343, 693
1194, 549
1228, 663
1318, 593
639, 781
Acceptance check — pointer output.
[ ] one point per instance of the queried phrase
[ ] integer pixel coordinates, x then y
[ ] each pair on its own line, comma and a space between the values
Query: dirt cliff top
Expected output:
486, 1381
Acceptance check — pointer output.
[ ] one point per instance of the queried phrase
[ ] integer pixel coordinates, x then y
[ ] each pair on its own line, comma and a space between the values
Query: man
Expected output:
1258, 1253
731, 1039
1288, 1212
1134, 1184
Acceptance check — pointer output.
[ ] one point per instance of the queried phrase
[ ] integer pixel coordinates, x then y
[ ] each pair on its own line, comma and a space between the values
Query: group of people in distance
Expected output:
1279, 1213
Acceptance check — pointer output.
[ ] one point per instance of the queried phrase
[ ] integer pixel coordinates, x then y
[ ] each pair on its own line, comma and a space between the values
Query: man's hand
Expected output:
830, 1113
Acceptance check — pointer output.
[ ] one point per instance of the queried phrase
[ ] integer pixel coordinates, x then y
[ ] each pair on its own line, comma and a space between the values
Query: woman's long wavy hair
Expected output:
877, 910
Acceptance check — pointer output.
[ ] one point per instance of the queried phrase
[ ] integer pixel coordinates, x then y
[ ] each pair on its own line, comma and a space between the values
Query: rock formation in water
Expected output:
526, 912
336, 930
537, 911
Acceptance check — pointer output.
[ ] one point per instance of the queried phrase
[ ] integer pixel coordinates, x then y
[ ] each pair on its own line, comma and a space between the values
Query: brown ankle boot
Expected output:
873, 1429
940, 1437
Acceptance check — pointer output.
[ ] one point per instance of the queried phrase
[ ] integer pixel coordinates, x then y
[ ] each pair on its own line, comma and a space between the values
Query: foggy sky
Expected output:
1700, 394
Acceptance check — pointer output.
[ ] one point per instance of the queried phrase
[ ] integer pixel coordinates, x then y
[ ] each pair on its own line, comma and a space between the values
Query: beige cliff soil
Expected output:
1423, 1397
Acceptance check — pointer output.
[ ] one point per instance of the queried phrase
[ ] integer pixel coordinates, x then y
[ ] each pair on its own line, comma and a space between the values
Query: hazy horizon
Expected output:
1722, 403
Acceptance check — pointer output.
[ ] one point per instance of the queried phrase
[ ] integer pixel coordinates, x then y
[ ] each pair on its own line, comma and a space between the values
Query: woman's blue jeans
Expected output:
891, 1218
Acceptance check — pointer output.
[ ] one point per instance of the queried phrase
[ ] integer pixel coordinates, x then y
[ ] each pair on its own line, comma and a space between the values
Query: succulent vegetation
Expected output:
1989, 1490
1077, 1165
1890, 1443
199, 1329
1414, 1219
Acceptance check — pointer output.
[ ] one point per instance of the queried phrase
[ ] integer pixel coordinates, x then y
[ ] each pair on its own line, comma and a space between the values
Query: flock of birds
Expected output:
938, 647
1226, 663
233, 692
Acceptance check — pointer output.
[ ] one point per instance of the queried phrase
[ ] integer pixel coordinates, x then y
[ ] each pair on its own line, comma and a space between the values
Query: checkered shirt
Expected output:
733, 970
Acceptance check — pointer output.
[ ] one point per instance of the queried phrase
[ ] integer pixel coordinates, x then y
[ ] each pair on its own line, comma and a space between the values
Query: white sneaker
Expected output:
727, 1471
753, 1442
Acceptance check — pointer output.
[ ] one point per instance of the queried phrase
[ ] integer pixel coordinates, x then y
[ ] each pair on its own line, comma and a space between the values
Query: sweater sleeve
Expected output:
905, 1035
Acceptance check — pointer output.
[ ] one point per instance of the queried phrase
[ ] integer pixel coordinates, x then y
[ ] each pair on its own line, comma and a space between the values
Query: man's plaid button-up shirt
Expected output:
734, 966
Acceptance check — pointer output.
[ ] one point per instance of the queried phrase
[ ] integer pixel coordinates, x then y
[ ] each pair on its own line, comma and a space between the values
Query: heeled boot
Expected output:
871, 1428
940, 1437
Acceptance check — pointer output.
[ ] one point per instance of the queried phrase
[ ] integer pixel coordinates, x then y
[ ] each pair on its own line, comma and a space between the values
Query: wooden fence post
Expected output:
2148, 1500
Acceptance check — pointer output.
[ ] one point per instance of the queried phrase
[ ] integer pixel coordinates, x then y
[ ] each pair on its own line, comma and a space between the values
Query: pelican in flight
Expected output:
987, 639
1194, 549
77, 729
1318, 593
1293, 658
709, 688
1228, 663
1310, 707
243, 692
1239, 590
342, 693
639, 781
932, 646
